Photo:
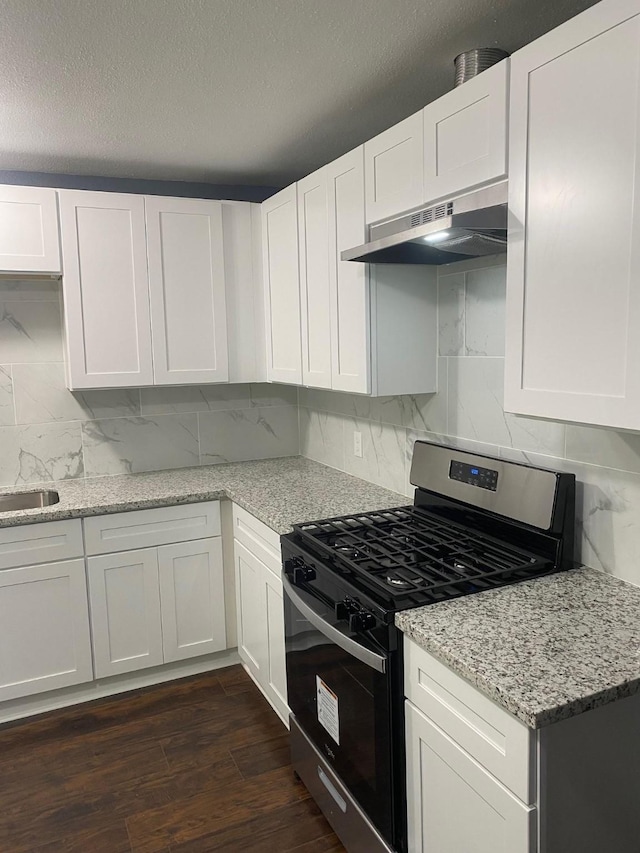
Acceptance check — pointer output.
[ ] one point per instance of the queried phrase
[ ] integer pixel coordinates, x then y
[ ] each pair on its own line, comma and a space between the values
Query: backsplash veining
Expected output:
49, 433
467, 412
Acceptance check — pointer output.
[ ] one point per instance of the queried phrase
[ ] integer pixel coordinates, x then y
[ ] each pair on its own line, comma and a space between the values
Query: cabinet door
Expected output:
253, 633
29, 234
313, 231
106, 290
349, 282
125, 611
573, 304
244, 291
44, 629
465, 135
192, 599
453, 804
394, 170
187, 290
277, 673
282, 286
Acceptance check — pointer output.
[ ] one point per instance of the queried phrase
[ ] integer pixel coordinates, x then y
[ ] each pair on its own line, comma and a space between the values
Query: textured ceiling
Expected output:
230, 91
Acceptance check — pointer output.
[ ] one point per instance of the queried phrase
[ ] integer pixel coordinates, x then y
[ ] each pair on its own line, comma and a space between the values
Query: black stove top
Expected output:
409, 556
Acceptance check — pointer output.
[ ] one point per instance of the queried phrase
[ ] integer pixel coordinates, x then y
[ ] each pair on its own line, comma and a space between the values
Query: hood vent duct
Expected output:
470, 226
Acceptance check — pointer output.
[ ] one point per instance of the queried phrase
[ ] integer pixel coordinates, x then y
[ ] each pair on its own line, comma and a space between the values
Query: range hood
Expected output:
469, 226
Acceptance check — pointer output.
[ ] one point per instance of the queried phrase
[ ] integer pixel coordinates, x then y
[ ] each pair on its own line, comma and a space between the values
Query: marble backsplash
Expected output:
468, 412
50, 433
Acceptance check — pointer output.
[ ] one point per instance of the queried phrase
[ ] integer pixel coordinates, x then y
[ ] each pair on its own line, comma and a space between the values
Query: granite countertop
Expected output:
545, 649
280, 492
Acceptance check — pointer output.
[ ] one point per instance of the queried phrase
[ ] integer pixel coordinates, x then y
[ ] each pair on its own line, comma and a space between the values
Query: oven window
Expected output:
343, 707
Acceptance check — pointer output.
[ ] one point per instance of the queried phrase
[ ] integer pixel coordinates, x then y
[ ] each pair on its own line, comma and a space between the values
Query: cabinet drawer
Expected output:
40, 543
146, 528
258, 538
495, 738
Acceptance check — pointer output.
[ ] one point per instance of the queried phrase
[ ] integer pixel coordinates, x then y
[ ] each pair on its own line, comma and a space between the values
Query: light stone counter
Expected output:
545, 649
279, 492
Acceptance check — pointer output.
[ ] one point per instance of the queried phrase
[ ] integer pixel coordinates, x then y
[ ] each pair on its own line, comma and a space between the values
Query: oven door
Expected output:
339, 693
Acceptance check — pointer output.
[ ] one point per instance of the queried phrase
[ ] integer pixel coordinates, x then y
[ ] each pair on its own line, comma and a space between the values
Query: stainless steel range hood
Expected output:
469, 226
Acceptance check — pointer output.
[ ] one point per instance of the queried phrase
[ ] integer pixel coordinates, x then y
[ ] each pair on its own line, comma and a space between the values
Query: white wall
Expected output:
49, 433
467, 412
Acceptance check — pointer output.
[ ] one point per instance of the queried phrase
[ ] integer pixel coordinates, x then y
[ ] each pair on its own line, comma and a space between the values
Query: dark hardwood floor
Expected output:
198, 765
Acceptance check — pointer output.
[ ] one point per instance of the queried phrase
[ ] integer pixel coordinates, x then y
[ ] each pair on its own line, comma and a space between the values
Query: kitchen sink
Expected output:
27, 500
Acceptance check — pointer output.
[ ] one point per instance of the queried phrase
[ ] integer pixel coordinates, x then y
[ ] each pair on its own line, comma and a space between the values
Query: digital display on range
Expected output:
484, 478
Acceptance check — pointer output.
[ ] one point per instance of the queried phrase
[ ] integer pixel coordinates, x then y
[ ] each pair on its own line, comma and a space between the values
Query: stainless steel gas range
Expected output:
476, 523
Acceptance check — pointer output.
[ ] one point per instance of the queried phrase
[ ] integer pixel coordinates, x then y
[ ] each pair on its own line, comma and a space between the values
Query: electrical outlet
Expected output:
357, 444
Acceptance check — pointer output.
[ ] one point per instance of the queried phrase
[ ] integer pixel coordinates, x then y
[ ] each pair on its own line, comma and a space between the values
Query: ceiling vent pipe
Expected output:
473, 62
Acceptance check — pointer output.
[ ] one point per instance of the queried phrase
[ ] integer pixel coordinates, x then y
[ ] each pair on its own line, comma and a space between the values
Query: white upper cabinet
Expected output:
366, 330
161, 291
244, 291
394, 162
187, 290
573, 301
29, 235
349, 282
465, 135
313, 225
106, 293
282, 286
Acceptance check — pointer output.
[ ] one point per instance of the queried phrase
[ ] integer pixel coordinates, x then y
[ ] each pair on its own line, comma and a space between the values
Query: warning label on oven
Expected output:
328, 709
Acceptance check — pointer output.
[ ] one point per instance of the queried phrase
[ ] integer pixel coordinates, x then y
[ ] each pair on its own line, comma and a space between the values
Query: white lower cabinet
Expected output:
454, 805
470, 780
276, 669
44, 629
260, 608
191, 599
125, 611
253, 639
261, 627
156, 605
480, 781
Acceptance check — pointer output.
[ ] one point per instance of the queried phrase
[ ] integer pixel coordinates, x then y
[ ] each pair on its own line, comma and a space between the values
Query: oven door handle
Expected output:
364, 655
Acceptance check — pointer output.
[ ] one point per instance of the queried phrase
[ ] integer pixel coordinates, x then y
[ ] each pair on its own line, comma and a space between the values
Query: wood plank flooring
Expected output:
198, 765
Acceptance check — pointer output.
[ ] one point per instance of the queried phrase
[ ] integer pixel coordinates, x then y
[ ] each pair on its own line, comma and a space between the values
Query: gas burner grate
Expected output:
409, 551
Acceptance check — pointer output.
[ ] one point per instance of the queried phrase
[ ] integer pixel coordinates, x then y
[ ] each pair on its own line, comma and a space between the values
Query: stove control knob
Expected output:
345, 608
304, 574
362, 621
291, 565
